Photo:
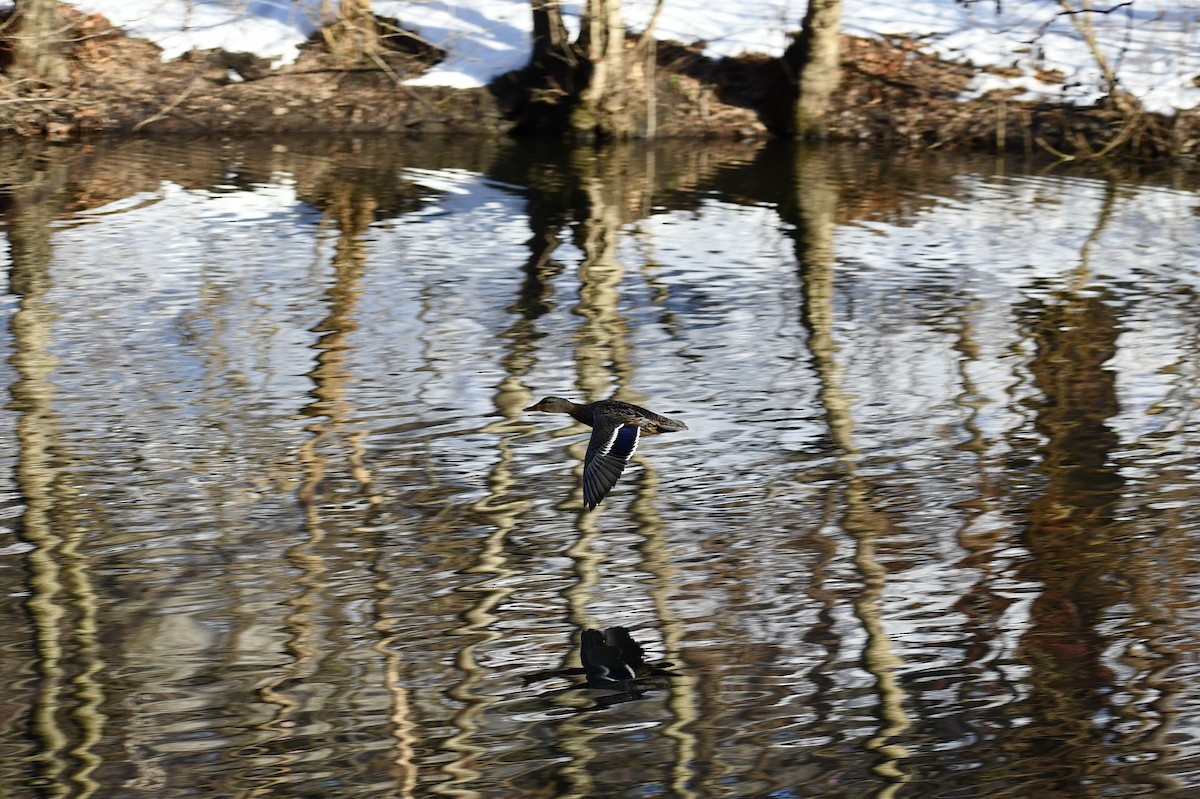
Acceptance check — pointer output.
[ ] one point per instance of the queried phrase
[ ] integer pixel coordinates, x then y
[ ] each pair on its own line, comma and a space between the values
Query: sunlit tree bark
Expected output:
604, 105
812, 70
38, 40
350, 31
582, 86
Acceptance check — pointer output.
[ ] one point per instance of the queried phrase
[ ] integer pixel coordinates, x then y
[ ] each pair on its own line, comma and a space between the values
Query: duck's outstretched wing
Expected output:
610, 448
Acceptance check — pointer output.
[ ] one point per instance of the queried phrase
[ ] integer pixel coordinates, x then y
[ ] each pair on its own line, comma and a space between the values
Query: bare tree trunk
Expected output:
554, 61
812, 71
350, 31
580, 87
38, 41
550, 41
604, 107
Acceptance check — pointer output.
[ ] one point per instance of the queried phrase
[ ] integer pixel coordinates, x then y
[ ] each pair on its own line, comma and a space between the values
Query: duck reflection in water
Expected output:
616, 429
612, 660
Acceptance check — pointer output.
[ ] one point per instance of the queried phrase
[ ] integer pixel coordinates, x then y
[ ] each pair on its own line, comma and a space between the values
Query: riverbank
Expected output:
892, 95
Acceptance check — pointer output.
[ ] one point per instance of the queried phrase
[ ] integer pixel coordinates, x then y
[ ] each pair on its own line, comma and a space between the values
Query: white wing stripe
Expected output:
608, 445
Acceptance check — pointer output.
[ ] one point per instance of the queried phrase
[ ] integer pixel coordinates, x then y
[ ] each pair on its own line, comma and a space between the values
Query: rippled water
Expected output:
274, 524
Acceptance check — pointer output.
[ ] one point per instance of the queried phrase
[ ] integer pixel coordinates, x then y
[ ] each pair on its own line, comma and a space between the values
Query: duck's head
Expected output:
552, 405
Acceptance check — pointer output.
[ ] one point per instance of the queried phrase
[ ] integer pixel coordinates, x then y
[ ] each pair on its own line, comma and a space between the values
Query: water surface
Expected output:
275, 525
